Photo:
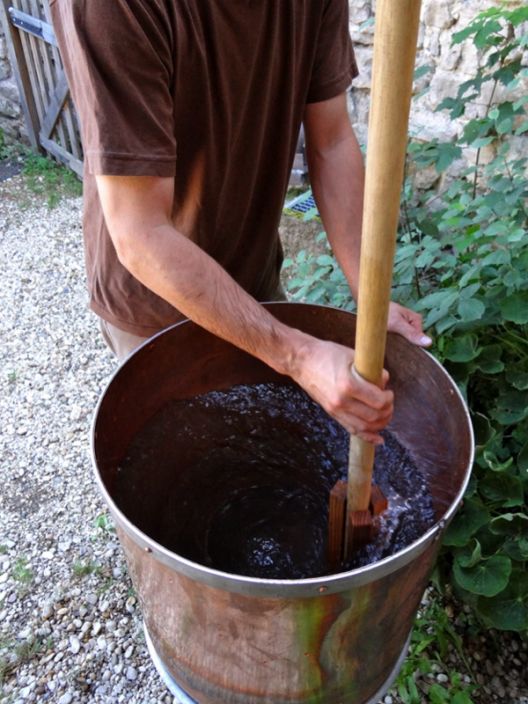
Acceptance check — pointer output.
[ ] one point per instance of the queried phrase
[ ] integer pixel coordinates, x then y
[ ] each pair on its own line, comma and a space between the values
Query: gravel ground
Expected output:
70, 627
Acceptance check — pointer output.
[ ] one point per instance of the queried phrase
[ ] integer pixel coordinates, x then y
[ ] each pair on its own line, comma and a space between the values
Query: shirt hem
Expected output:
128, 165
331, 90
132, 328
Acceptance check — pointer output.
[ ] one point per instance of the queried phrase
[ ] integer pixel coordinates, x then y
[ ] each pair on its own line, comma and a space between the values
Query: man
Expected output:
190, 111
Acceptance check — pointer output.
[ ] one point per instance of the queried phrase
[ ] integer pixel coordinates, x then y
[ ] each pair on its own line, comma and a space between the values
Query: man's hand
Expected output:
325, 371
407, 323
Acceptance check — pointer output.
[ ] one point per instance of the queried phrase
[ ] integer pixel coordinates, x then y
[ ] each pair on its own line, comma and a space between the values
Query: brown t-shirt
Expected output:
212, 93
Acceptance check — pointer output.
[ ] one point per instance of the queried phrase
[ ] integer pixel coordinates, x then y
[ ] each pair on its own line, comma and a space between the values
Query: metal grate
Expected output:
303, 205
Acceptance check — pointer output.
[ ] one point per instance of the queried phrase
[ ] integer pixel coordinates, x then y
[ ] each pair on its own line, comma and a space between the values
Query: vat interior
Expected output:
185, 361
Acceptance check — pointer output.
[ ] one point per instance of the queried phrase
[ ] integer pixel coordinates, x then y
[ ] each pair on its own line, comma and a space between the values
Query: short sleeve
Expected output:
335, 64
118, 60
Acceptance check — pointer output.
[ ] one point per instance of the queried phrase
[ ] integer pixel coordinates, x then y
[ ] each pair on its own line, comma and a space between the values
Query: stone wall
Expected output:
449, 67
11, 121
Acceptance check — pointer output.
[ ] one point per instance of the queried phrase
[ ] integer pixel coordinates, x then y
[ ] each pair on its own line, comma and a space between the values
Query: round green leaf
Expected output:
483, 429
518, 379
470, 555
472, 516
515, 308
490, 543
510, 524
471, 309
522, 459
494, 464
489, 360
508, 611
512, 407
462, 349
516, 548
504, 614
503, 488
487, 578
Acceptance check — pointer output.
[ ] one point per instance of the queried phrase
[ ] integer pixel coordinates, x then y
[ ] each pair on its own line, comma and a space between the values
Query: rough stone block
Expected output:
437, 13
8, 108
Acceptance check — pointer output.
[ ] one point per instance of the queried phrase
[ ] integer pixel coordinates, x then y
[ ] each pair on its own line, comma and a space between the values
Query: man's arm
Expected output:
137, 210
336, 171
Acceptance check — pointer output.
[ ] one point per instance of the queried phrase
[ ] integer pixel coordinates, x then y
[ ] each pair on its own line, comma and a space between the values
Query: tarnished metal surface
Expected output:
228, 639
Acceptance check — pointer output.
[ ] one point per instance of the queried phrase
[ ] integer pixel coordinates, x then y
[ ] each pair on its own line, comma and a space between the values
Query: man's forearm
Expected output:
337, 178
179, 271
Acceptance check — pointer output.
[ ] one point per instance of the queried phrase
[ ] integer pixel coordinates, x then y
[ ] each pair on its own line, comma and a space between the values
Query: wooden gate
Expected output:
49, 115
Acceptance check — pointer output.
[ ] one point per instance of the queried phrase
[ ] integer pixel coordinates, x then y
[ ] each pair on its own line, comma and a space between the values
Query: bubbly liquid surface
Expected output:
239, 481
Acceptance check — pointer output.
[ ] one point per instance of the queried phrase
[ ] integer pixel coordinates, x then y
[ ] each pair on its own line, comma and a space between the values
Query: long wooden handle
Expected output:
395, 39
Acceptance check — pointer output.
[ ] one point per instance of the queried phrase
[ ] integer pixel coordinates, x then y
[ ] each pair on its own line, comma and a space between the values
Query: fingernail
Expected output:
425, 340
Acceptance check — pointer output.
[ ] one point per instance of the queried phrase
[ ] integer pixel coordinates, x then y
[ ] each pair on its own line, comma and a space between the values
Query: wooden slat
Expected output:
63, 156
50, 94
35, 74
68, 115
54, 109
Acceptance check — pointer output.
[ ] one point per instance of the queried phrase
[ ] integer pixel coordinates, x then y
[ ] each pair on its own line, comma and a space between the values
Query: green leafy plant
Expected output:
84, 568
22, 572
50, 180
4, 151
15, 653
434, 641
462, 260
103, 523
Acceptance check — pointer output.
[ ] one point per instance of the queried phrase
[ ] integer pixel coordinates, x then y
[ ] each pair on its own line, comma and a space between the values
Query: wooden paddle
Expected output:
395, 38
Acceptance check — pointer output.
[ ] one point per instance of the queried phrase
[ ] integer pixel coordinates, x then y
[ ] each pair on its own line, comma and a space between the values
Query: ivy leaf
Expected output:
422, 71
326, 260
517, 16
447, 153
505, 125
487, 578
462, 349
515, 308
472, 516
481, 142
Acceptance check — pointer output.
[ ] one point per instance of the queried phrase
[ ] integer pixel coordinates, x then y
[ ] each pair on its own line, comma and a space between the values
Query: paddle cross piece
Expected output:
361, 526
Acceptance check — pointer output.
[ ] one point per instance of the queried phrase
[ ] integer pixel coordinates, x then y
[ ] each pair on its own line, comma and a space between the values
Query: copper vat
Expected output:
220, 638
